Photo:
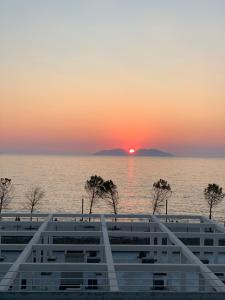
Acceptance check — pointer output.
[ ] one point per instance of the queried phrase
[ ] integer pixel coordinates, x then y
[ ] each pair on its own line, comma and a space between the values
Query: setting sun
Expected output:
131, 151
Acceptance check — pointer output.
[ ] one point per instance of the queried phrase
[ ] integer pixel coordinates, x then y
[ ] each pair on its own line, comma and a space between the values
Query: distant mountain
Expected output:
116, 152
139, 152
152, 152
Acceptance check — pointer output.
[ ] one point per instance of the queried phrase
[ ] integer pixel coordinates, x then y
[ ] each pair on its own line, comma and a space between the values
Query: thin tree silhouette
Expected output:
94, 190
161, 192
6, 193
111, 194
34, 197
213, 195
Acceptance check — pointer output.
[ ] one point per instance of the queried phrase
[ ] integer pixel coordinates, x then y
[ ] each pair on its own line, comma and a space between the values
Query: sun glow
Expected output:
131, 151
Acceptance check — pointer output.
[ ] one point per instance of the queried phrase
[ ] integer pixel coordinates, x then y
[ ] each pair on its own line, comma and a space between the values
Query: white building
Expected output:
62, 252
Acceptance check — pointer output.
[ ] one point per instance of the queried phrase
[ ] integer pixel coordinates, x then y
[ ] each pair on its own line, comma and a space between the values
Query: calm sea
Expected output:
63, 178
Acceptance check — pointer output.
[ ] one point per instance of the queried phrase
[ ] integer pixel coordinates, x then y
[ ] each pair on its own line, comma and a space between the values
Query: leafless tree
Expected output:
161, 192
111, 194
213, 195
34, 197
6, 193
94, 190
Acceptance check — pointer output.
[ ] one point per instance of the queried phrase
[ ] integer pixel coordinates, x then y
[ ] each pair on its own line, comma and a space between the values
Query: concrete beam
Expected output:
137, 248
200, 234
23, 214
17, 233
161, 268
121, 233
14, 247
210, 278
10, 276
190, 225
73, 233
207, 248
61, 267
220, 268
109, 258
63, 247
189, 217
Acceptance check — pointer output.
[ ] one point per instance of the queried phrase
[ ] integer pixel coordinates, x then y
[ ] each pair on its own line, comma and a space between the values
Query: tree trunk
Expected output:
166, 209
31, 212
115, 212
92, 200
91, 204
1, 204
210, 212
1, 208
90, 210
82, 209
154, 208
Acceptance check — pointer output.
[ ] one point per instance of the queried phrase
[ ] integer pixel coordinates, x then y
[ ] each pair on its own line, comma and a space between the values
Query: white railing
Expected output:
132, 281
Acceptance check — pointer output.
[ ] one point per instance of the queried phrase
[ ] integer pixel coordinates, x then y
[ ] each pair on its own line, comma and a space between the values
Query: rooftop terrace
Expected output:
133, 253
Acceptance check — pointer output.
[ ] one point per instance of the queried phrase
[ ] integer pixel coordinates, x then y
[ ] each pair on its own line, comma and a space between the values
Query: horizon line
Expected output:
43, 153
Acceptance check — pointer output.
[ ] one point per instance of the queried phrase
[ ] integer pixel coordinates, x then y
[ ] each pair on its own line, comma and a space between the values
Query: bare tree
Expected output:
6, 193
94, 190
213, 195
161, 192
111, 194
33, 198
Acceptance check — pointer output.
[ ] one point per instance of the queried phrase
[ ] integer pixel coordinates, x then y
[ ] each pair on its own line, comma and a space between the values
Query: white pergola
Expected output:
46, 227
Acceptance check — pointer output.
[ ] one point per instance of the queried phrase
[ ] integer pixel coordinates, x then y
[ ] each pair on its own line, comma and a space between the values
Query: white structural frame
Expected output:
104, 234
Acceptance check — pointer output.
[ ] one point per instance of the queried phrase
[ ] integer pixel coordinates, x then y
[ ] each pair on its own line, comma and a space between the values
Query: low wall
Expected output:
110, 296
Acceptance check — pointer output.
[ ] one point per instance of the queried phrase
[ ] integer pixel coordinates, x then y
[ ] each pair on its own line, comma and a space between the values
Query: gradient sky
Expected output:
79, 76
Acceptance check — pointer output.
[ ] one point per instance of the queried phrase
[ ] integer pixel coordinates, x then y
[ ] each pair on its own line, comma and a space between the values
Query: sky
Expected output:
77, 76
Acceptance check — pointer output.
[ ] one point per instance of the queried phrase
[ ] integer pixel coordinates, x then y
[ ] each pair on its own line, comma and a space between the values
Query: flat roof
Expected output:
58, 252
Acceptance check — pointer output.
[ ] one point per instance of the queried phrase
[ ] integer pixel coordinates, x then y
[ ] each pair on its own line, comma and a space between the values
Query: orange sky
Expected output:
80, 79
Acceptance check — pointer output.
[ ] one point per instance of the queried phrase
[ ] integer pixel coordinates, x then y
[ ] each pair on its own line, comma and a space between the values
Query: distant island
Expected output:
152, 152
116, 152
139, 152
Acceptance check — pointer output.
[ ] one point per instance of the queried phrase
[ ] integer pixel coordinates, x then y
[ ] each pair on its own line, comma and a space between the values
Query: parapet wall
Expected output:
110, 296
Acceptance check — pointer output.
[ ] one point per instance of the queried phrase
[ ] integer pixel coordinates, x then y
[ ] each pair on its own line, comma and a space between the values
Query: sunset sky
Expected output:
80, 76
